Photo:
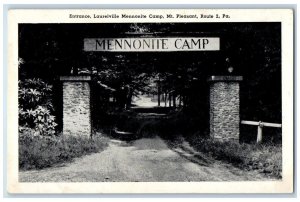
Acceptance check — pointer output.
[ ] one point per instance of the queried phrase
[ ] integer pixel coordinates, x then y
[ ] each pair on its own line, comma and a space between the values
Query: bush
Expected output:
34, 92
264, 158
41, 121
37, 152
35, 106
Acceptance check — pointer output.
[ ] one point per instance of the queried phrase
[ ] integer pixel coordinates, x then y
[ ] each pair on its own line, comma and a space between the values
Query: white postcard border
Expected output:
285, 16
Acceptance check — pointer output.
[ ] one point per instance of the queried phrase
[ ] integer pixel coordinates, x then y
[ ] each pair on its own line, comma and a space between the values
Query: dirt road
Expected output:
147, 159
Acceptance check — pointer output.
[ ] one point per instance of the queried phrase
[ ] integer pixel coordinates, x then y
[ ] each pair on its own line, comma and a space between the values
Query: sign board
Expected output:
151, 44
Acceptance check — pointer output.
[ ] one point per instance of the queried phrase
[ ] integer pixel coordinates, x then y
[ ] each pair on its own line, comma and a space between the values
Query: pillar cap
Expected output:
225, 78
75, 78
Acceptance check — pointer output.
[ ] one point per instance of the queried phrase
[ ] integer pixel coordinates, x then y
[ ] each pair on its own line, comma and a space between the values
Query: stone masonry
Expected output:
76, 105
225, 107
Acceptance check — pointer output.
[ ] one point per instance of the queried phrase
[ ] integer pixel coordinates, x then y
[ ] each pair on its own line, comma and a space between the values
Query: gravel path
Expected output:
147, 159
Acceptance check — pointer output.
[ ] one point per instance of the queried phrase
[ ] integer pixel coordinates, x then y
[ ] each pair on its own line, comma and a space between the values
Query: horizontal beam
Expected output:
256, 123
122, 132
75, 78
225, 78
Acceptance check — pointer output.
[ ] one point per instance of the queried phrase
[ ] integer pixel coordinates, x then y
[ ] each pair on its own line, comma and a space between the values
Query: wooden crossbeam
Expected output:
260, 126
256, 123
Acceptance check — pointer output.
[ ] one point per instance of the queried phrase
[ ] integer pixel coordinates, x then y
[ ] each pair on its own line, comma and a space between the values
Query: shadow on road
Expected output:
155, 142
183, 148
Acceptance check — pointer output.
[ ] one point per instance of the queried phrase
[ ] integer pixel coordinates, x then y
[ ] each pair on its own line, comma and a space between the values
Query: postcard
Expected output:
150, 101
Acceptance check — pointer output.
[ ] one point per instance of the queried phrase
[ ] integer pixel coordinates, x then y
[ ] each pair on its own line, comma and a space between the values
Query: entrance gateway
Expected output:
224, 92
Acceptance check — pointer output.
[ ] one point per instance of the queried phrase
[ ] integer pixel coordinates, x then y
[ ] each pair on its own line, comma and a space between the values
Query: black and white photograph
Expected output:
150, 101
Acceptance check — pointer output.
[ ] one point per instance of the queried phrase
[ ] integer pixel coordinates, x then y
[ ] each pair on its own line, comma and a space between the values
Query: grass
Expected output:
37, 152
266, 158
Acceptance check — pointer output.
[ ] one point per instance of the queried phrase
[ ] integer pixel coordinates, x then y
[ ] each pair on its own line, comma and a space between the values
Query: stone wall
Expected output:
225, 107
76, 105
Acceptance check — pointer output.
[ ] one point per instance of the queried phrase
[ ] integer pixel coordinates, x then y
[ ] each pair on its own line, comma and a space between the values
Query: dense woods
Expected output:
252, 50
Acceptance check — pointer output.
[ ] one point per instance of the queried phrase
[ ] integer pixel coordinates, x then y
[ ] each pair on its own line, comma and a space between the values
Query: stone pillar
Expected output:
76, 105
225, 107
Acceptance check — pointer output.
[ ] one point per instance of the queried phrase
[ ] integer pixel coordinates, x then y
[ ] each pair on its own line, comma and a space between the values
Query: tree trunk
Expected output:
180, 100
165, 99
183, 101
170, 101
129, 99
158, 93
174, 100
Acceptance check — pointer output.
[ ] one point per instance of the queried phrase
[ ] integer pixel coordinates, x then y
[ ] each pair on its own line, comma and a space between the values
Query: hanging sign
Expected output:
151, 44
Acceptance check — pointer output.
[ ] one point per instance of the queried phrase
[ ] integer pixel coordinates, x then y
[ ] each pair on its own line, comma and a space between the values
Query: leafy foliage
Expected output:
35, 107
33, 92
